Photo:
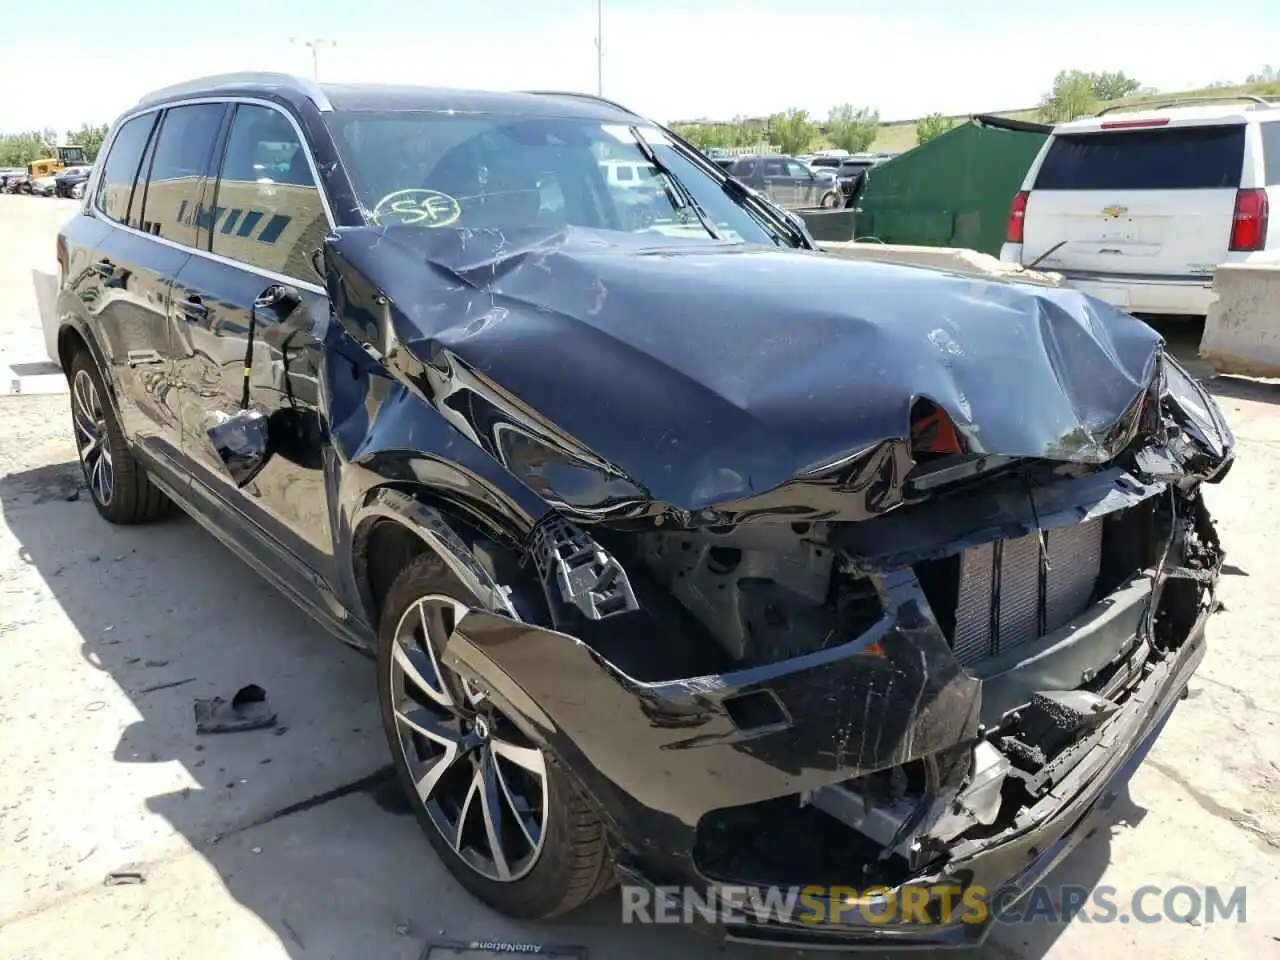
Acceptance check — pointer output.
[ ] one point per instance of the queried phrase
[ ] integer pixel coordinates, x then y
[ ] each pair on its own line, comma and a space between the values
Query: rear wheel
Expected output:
119, 487
508, 822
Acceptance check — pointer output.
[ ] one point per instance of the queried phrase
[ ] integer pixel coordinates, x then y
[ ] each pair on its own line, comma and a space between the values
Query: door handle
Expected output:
193, 307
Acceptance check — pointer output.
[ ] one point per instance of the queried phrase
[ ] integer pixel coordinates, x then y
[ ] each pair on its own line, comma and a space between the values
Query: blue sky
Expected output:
667, 58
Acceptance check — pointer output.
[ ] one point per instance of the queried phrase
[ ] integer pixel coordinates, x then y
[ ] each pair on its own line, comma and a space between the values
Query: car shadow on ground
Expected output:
301, 821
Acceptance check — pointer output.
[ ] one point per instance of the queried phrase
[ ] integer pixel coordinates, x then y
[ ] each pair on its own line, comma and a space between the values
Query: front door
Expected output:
265, 219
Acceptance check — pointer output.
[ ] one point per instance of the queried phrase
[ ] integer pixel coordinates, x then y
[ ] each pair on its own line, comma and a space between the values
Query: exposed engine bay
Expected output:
761, 593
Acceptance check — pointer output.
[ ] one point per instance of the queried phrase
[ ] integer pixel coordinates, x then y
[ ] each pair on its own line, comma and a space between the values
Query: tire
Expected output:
829, 201
77, 192
572, 862
119, 486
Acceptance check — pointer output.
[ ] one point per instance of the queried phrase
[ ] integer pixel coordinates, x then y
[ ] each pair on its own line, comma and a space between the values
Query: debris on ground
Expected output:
165, 686
119, 878
247, 710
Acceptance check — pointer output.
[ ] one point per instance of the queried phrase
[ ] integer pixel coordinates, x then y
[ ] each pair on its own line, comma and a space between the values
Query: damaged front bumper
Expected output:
1003, 869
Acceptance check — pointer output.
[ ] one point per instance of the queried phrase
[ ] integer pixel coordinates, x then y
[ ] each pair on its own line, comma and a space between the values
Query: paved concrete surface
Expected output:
100, 769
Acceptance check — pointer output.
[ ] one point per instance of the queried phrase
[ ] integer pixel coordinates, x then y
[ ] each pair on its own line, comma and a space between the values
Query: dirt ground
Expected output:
289, 842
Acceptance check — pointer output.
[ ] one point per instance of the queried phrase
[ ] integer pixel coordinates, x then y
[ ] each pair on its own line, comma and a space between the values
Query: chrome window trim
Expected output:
138, 111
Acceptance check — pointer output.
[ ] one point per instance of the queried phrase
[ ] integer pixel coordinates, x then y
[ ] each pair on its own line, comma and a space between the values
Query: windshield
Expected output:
488, 171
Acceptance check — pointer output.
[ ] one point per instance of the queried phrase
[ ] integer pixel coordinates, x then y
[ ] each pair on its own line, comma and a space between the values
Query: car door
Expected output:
128, 297
778, 183
263, 219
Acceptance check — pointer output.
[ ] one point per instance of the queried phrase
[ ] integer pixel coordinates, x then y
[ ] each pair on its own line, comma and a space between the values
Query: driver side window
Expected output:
267, 209
794, 169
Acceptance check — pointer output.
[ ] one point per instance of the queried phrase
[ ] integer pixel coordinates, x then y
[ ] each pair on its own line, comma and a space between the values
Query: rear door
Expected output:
132, 269
1142, 201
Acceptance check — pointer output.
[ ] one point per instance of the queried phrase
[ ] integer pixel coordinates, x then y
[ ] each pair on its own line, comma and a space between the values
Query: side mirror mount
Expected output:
242, 441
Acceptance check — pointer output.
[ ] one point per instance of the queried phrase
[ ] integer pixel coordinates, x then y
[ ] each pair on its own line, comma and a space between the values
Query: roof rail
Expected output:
574, 95
1183, 101
214, 82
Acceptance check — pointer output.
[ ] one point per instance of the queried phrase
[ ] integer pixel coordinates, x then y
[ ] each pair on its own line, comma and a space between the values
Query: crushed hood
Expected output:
691, 373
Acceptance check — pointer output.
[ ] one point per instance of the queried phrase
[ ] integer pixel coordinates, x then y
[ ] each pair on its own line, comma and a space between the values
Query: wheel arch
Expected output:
74, 336
397, 522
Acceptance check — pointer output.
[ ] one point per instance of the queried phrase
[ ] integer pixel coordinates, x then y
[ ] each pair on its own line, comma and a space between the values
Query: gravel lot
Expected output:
290, 844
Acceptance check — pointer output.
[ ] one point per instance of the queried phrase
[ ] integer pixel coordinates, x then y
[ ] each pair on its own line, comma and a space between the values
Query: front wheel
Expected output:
508, 823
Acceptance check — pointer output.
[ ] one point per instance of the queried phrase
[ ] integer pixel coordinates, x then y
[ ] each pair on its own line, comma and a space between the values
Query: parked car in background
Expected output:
1140, 208
42, 186
15, 181
786, 181
71, 182
687, 553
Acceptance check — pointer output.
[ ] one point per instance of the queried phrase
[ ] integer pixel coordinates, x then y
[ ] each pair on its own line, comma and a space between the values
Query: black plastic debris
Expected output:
120, 878
247, 710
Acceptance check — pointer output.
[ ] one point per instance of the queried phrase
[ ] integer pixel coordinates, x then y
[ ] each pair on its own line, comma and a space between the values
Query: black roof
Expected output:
342, 96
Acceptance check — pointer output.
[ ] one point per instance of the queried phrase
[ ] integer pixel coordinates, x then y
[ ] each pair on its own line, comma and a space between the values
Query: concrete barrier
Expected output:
953, 259
1242, 330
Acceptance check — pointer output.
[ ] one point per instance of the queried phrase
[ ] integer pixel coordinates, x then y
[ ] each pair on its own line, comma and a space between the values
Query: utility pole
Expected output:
314, 44
600, 48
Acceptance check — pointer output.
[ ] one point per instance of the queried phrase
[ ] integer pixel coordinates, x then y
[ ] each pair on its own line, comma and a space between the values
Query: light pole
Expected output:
315, 44
600, 48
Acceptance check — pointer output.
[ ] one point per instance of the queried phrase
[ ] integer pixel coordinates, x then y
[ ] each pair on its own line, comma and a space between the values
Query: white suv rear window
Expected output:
1170, 158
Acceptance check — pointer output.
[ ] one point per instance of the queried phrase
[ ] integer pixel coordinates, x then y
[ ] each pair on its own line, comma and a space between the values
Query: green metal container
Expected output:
953, 191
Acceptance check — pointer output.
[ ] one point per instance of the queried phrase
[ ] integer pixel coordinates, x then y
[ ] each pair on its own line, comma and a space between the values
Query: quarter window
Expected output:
178, 168
268, 212
120, 170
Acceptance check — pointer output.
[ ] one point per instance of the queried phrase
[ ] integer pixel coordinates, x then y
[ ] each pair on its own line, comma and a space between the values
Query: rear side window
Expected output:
1178, 158
120, 170
180, 163
1271, 151
268, 212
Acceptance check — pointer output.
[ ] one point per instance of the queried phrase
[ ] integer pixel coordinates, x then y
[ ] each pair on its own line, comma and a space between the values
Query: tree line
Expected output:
1074, 93
19, 149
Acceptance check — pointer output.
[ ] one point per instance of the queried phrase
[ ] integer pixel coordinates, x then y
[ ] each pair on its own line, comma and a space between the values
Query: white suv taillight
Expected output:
1017, 217
1249, 222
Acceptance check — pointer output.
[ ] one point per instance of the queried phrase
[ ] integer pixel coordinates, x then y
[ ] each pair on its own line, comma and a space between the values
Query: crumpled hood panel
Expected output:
706, 372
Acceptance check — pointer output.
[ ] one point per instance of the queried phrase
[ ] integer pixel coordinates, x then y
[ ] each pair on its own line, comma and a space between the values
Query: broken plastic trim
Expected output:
579, 572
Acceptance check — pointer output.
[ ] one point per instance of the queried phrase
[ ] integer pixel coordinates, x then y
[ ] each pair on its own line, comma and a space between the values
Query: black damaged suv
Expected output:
687, 552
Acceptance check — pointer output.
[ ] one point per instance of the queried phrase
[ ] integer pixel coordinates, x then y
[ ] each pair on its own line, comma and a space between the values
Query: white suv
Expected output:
1138, 209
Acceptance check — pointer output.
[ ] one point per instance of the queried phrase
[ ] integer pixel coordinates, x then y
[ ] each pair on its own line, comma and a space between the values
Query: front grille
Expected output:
1006, 599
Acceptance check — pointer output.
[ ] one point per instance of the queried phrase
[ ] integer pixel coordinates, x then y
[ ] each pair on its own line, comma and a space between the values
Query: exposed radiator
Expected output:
1002, 593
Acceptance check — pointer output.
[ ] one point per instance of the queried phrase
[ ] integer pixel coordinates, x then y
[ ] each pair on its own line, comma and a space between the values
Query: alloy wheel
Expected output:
92, 441
482, 784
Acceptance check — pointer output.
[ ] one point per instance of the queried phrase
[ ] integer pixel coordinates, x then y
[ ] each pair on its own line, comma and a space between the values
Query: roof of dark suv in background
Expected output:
327, 97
